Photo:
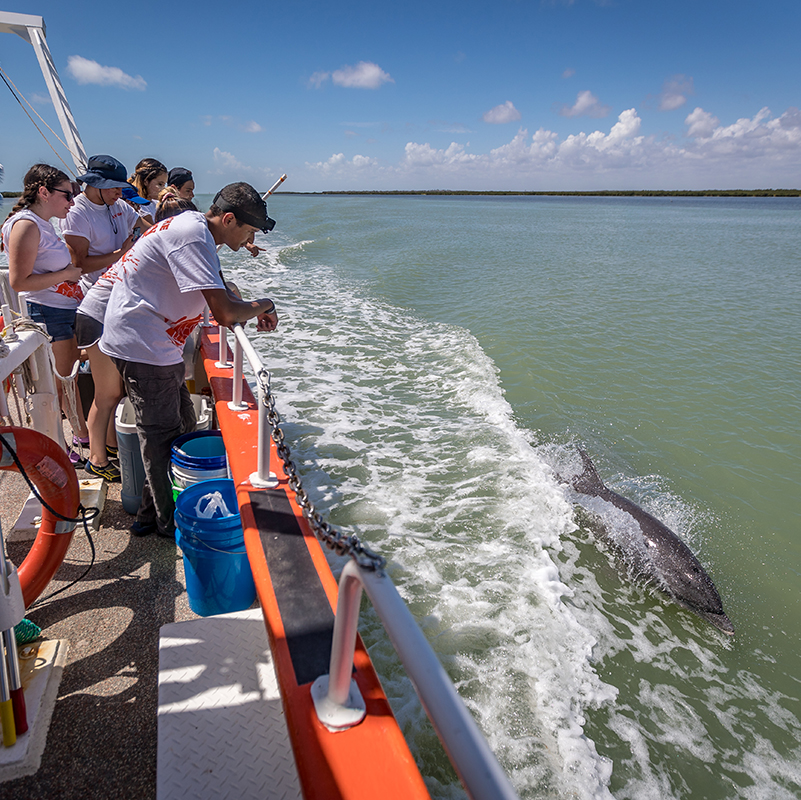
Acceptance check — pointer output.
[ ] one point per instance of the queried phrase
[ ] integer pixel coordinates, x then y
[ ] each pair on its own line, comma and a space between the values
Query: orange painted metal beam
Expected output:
371, 760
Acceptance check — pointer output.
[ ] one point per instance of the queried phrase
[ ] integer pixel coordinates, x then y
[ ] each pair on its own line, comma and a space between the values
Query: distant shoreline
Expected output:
599, 193
503, 193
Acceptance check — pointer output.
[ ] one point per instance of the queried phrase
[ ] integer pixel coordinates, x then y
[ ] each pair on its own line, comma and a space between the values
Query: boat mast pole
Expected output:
31, 28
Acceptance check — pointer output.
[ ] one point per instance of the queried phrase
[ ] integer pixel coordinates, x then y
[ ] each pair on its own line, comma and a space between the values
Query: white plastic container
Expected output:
131, 467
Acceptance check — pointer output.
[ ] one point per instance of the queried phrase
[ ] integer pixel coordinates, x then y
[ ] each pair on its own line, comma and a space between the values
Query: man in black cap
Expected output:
167, 279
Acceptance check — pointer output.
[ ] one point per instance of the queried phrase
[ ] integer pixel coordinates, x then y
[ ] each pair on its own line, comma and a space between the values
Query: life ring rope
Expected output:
48, 472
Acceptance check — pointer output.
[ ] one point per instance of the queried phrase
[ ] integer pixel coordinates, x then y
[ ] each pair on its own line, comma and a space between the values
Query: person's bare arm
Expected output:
79, 250
228, 309
22, 251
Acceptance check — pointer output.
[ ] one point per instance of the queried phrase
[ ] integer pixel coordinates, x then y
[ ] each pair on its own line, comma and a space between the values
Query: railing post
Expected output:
337, 699
222, 358
263, 478
236, 403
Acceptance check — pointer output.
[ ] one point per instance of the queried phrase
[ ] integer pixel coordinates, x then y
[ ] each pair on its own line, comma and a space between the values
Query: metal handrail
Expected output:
337, 699
478, 769
263, 478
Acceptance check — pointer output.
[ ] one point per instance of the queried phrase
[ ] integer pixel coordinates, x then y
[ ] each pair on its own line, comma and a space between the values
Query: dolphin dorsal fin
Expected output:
589, 482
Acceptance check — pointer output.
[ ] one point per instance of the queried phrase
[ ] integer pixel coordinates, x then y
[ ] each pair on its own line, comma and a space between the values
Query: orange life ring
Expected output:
50, 470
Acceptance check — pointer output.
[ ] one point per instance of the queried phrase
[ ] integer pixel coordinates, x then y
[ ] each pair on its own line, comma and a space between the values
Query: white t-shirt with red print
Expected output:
96, 299
104, 227
157, 299
52, 256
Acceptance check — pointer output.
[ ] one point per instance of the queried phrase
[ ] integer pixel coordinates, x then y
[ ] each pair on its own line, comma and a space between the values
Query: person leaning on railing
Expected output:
166, 282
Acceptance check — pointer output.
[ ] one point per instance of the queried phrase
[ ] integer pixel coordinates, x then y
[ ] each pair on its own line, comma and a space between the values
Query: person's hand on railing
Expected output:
267, 322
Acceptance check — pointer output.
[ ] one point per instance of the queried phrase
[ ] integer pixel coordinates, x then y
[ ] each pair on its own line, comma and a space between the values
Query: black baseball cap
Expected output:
178, 176
256, 216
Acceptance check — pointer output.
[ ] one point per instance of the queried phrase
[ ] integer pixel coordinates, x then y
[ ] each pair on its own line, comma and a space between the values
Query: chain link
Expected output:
333, 539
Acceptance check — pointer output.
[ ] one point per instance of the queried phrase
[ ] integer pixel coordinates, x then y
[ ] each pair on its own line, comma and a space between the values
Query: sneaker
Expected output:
80, 441
112, 452
76, 460
108, 472
143, 528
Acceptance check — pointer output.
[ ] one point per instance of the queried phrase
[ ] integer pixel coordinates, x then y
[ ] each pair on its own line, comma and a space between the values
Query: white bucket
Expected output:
185, 476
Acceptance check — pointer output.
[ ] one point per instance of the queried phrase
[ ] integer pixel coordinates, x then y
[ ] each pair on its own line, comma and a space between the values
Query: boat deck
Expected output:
102, 740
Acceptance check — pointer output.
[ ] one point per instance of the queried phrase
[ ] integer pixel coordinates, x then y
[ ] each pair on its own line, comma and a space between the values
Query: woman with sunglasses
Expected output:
40, 267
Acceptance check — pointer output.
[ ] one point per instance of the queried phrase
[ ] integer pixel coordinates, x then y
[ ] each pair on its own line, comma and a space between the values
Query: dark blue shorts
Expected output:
59, 322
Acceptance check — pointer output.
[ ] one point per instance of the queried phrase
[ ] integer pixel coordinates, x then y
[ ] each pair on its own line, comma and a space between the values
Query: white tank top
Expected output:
52, 256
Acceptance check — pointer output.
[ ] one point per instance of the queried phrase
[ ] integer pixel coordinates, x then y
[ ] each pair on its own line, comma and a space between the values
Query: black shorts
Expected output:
87, 330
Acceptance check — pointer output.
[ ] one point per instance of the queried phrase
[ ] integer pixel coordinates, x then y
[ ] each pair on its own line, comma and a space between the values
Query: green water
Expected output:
440, 357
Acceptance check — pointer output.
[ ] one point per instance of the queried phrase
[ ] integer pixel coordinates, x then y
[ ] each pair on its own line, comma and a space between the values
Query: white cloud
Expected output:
365, 75
318, 79
252, 127
85, 71
701, 124
416, 155
226, 161
586, 105
339, 165
762, 137
502, 114
568, 73
41, 99
761, 151
674, 92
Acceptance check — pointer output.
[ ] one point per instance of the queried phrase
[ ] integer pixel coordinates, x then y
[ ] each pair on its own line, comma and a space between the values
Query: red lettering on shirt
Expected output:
159, 226
69, 289
179, 331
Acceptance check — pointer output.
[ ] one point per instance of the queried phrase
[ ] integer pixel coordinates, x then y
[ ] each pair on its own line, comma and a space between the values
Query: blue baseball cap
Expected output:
131, 196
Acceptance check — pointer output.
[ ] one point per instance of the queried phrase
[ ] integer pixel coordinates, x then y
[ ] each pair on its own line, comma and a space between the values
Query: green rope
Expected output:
26, 632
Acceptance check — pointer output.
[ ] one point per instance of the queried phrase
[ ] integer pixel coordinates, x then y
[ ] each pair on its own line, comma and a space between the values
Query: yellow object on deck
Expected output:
7, 719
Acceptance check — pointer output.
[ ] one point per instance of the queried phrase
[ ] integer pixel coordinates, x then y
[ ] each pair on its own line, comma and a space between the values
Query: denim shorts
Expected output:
59, 322
87, 330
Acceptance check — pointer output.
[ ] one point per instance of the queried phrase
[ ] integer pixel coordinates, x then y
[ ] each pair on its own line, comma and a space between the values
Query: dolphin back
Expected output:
588, 482
669, 563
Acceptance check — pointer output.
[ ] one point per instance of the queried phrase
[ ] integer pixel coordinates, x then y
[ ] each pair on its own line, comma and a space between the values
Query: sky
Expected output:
526, 95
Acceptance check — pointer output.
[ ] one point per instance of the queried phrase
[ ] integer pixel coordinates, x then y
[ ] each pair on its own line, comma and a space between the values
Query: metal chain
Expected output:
333, 539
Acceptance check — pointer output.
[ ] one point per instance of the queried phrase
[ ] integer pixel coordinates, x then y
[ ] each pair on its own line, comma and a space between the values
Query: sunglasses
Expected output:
68, 195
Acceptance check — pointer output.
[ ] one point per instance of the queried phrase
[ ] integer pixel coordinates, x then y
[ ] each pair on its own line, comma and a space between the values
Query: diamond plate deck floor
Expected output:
221, 727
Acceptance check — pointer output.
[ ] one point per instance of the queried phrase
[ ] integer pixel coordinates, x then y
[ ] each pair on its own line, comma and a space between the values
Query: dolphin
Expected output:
665, 560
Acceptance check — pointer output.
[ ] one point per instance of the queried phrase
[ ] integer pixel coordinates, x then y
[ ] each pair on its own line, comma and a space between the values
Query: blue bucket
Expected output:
199, 450
218, 576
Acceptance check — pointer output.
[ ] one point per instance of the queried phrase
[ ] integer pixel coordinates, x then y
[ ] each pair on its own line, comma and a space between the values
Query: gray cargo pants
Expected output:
164, 411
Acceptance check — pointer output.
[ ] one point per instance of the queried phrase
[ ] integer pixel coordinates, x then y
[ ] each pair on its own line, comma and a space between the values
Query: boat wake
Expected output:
407, 440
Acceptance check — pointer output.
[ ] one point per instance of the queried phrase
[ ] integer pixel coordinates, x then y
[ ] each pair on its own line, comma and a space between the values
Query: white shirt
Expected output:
157, 298
95, 301
96, 224
52, 256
